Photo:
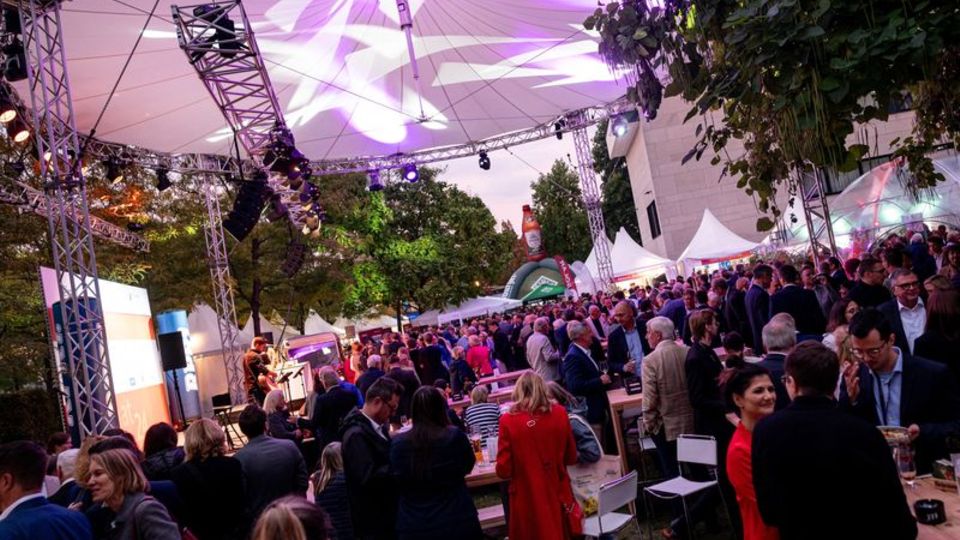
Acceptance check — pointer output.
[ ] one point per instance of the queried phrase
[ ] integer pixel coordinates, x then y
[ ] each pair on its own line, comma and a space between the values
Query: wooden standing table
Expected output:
503, 377
620, 400
497, 396
924, 489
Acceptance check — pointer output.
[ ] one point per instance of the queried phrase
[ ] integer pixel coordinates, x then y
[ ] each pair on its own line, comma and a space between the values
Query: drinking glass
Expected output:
906, 465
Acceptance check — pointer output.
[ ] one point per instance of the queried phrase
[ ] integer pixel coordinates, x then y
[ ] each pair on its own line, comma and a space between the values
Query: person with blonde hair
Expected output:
292, 518
462, 377
330, 490
481, 415
210, 484
279, 425
116, 481
535, 446
479, 356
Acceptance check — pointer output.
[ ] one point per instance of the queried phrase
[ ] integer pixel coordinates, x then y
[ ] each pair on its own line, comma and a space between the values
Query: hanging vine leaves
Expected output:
791, 78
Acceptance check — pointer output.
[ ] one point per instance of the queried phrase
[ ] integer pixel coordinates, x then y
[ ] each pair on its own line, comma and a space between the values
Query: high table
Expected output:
924, 489
497, 396
503, 377
620, 400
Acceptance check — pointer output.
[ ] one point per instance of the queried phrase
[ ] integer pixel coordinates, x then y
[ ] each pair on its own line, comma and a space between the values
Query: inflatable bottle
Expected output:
532, 239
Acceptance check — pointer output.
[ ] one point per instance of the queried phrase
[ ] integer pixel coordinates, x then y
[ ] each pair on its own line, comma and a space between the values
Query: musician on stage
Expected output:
256, 374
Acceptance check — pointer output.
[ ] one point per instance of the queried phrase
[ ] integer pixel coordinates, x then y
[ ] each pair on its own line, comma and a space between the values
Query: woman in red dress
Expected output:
478, 357
535, 447
751, 390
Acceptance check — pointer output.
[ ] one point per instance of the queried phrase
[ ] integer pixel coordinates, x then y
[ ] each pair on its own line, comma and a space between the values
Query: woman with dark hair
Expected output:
951, 263
429, 463
941, 338
161, 451
751, 391
733, 345
839, 317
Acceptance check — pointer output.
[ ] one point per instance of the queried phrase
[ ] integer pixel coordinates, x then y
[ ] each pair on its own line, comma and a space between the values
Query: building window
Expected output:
654, 219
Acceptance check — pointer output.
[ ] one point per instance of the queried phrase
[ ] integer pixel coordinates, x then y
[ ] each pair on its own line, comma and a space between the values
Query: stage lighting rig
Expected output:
619, 125
14, 61
410, 173
8, 110
558, 127
18, 130
374, 183
114, 167
163, 178
224, 31
484, 160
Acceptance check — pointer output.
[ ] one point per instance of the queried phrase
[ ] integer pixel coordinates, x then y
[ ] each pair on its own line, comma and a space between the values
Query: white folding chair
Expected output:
646, 444
613, 495
696, 449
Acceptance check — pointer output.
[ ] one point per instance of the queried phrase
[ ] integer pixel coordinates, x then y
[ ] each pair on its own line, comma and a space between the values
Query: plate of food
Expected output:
894, 435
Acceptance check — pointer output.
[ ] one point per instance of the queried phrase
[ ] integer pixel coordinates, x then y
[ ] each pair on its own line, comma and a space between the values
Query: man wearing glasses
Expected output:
869, 290
886, 387
906, 312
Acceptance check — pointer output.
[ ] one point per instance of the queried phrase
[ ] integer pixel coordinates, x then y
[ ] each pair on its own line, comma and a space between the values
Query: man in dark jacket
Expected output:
627, 343
366, 462
735, 312
870, 291
779, 338
409, 381
800, 303
889, 388
758, 303
906, 312
429, 363
331, 408
374, 371
582, 376
810, 444
272, 468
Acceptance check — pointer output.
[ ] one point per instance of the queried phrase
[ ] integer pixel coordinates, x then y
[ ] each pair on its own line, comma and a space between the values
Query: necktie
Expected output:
599, 327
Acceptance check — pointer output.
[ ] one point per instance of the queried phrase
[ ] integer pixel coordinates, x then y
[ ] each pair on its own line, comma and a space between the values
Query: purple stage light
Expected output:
410, 172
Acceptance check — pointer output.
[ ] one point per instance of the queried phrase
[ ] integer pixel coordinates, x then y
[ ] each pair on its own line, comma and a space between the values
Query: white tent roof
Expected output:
713, 240
246, 334
427, 318
628, 258
475, 307
315, 324
369, 323
204, 330
342, 74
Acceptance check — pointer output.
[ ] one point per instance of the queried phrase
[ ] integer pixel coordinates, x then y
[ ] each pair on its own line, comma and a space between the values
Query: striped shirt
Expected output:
483, 416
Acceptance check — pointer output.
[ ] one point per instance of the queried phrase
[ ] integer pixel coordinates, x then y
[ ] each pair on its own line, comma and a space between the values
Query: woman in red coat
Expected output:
751, 390
536, 445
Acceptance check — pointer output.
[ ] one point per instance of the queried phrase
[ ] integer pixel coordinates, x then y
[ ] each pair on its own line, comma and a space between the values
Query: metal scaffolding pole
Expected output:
591, 200
82, 336
223, 292
814, 198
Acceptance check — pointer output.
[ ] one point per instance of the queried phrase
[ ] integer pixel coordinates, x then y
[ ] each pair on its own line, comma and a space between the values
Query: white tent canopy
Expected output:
246, 334
204, 330
372, 322
427, 318
629, 259
476, 307
714, 242
315, 324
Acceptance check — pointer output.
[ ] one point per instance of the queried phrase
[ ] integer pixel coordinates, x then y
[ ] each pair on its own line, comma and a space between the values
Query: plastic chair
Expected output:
613, 495
695, 449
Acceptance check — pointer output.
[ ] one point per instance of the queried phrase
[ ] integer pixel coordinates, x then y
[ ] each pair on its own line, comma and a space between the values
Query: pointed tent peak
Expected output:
315, 324
714, 241
626, 246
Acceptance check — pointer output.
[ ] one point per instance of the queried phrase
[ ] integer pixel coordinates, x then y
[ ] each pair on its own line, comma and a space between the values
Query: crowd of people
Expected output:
788, 366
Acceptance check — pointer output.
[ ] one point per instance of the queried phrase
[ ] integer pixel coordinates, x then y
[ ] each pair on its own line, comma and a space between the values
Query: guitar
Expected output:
267, 382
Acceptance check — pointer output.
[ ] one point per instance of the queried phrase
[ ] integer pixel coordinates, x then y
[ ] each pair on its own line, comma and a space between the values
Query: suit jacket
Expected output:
869, 295
561, 339
273, 468
542, 357
758, 313
676, 311
66, 493
38, 519
928, 397
370, 485
366, 380
582, 378
141, 517
330, 410
803, 305
604, 326
666, 401
891, 310
800, 451
702, 367
209, 490
429, 365
773, 362
735, 312
618, 353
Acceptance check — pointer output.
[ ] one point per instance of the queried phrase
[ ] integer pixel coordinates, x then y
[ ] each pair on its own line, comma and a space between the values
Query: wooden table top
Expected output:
483, 474
620, 399
497, 396
924, 489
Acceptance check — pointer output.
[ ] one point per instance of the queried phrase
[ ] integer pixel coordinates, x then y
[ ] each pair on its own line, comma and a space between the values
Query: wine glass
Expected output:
906, 465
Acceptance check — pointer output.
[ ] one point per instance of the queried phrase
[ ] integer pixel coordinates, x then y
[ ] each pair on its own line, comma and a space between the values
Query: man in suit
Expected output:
735, 311
800, 451
597, 325
869, 291
541, 355
561, 338
674, 309
374, 371
837, 276
272, 468
26, 513
627, 343
888, 387
366, 462
582, 376
667, 412
757, 303
906, 312
429, 361
331, 408
68, 490
779, 338
800, 303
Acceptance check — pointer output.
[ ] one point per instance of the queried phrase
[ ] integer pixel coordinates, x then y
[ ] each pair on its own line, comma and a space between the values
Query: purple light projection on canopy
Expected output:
343, 75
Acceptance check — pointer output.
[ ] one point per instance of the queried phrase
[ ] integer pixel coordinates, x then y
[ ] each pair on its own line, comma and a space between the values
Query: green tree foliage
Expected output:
790, 79
559, 210
616, 194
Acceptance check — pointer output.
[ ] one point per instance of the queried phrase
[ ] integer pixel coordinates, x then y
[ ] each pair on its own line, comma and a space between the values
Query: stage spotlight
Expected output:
163, 178
18, 130
484, 160
620, 125
558, 130
410, 172
225, 33
114, 170
8, 111
374, 183
14, 61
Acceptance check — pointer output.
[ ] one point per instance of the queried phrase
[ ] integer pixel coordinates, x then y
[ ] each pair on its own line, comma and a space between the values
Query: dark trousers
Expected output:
667, 452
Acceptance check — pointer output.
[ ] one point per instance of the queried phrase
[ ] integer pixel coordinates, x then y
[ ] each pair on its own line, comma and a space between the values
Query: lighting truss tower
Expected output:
223, 292
219, 42
814, 198
591, 200
83, 337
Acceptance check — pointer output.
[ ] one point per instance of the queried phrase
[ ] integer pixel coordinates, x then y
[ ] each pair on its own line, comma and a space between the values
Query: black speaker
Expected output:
171, 351
247, 207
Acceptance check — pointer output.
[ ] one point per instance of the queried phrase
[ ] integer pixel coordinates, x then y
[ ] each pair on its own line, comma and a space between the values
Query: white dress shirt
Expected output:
914, 321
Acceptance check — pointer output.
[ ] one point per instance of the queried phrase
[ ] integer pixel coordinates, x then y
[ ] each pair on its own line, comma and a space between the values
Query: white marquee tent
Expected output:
372, 322
315, 324
476, 307
629, 260
714, 242
246, 333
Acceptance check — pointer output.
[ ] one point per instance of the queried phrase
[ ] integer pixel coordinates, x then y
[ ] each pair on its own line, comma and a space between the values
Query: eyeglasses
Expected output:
872, 352
910, 285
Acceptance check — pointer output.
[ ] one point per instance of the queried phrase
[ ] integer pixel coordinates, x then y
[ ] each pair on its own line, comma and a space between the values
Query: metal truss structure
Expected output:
29, 198
223, 292
224, 52
83, 342
814, 198
591, 200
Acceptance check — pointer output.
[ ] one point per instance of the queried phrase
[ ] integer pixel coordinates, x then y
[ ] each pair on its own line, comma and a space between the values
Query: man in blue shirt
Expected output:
626, 345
